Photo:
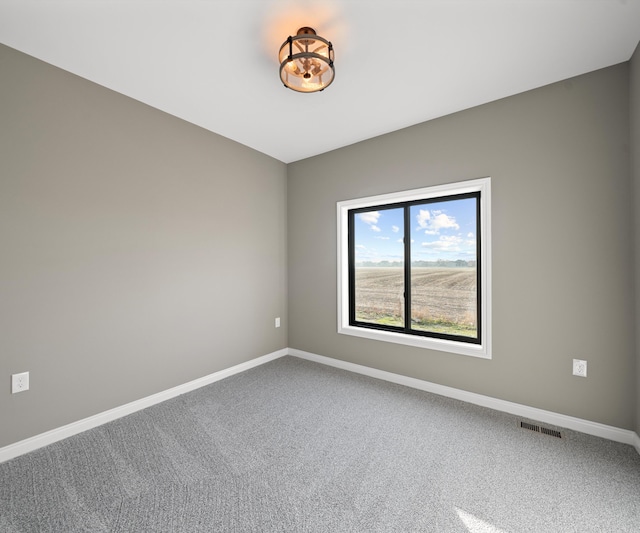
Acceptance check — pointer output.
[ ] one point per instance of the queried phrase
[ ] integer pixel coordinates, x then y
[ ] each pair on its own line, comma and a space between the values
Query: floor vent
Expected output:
540, 429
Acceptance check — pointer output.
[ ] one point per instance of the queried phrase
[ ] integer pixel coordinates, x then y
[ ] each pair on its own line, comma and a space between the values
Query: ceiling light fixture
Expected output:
306, 62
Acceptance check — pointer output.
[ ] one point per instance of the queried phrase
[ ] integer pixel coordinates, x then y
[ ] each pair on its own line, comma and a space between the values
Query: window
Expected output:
414, 267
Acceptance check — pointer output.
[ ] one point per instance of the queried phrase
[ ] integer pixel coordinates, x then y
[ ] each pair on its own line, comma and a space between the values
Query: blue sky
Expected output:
439, 230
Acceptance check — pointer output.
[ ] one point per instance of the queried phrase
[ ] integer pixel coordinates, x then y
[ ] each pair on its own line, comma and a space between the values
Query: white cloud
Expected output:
433, 222
470, 235
370, 218
423, 218
395, 229
444, 244
383, 238
443, 221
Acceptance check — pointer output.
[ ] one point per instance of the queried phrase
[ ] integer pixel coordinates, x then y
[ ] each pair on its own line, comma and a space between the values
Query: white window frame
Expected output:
482, 185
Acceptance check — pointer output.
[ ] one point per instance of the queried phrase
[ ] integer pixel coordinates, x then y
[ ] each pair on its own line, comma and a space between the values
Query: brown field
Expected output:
443, 299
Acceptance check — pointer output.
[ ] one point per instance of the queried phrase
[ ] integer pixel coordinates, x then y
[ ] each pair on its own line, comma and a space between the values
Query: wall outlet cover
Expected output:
580, 368
19, 382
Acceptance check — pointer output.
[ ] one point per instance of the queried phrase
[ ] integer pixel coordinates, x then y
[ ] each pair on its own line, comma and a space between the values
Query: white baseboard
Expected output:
549, 417
49, 437
577, 424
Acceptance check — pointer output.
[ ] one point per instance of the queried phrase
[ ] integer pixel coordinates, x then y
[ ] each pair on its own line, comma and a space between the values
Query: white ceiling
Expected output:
398, 62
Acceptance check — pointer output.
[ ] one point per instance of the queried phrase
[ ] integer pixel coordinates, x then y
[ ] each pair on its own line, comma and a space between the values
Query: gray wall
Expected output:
562, 244
138, 252
635, 166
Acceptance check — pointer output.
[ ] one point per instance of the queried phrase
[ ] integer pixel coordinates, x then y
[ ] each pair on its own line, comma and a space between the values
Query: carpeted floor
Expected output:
295, 446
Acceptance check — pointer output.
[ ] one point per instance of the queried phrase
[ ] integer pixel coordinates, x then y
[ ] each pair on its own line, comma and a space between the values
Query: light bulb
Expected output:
308, 84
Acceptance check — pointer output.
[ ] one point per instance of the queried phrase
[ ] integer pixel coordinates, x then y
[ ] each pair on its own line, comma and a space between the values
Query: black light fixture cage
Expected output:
306, 62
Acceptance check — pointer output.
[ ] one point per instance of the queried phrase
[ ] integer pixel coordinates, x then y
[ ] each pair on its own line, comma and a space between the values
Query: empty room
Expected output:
303, 266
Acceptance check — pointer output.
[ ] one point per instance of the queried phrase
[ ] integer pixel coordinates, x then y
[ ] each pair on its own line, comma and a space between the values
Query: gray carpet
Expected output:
301, 447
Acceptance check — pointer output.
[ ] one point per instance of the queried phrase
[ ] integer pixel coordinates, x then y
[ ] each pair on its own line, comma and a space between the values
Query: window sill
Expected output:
460, 348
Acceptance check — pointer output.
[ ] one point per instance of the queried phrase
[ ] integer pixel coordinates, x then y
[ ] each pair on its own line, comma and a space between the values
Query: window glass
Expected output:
378, 248
444, 277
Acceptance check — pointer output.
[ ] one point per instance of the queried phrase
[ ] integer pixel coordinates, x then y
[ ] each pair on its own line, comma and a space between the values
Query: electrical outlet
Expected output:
19, 382
580, 368
278, 322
